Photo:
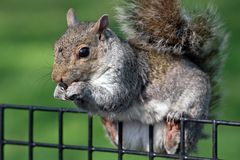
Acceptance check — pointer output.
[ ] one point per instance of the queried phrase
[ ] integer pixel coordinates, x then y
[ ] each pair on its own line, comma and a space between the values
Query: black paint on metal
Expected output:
120, 151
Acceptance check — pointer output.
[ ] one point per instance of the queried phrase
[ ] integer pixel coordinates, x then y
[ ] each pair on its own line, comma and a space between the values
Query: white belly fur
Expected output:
136, 136
136, 125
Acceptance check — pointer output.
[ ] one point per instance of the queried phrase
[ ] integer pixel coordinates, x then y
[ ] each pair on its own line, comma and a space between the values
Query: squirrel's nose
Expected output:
59, 81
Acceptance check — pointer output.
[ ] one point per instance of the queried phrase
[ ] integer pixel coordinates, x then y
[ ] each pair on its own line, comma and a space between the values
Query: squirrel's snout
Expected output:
56, 77
59, 81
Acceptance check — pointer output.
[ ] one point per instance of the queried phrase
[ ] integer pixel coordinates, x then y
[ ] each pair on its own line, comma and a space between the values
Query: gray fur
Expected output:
197, 34
136, 84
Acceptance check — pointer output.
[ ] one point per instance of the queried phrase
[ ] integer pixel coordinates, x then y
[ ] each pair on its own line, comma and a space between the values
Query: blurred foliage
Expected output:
28, 29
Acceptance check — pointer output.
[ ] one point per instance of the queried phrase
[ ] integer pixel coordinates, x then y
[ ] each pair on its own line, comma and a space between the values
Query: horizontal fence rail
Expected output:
31, 144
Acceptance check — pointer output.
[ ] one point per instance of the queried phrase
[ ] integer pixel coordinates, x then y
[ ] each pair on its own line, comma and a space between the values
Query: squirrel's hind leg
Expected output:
171, 136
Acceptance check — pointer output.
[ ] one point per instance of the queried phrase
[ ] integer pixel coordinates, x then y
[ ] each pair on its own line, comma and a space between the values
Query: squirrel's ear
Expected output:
101, 24
71, 18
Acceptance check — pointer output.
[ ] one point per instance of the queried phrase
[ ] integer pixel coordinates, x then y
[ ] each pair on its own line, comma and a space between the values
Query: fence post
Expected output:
90, 141
1, 133
151, 136
30, 134
182, 139
60, 135
120, 140
214, 140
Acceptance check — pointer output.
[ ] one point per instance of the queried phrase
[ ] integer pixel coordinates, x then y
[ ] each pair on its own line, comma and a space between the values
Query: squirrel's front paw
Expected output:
76, 91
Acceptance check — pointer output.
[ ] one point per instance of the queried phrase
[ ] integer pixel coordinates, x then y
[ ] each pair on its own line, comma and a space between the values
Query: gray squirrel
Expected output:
168, 67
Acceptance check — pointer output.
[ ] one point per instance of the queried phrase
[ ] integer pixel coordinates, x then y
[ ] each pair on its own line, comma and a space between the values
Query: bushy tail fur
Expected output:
164, 26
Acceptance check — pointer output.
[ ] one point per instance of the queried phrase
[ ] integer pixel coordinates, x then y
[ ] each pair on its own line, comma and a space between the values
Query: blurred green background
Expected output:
28, 29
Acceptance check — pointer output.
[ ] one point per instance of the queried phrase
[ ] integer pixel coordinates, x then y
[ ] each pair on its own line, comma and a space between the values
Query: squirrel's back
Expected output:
164, 27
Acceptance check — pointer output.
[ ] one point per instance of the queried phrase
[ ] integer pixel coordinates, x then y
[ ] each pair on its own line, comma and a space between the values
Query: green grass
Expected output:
28, 30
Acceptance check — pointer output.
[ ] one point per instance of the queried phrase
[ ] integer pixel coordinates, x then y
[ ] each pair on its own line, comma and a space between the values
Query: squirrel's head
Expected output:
78, 53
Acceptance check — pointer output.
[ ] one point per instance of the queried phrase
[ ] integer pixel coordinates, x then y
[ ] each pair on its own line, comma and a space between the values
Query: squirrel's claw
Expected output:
174, 116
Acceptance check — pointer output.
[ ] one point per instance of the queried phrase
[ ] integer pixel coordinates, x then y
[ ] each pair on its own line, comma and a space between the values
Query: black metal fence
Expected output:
90, 148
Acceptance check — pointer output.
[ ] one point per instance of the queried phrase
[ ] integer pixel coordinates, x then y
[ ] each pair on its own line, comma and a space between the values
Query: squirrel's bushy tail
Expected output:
164, 26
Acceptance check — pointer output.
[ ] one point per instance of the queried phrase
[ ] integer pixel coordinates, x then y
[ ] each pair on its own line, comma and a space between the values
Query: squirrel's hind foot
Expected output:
172, 131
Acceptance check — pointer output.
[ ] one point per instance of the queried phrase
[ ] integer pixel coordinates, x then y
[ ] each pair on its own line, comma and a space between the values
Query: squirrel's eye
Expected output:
84, 52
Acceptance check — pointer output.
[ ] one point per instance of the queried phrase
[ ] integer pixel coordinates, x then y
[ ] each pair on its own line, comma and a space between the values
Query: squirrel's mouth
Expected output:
63, 85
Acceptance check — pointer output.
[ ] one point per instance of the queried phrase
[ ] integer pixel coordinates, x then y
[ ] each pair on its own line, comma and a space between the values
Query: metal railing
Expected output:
90, 148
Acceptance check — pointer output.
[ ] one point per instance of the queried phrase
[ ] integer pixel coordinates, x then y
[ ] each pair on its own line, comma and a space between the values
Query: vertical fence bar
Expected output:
214, 140
120, 140
182, 139
30, 134
1, 133
60, 135
90, 136
151, 136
